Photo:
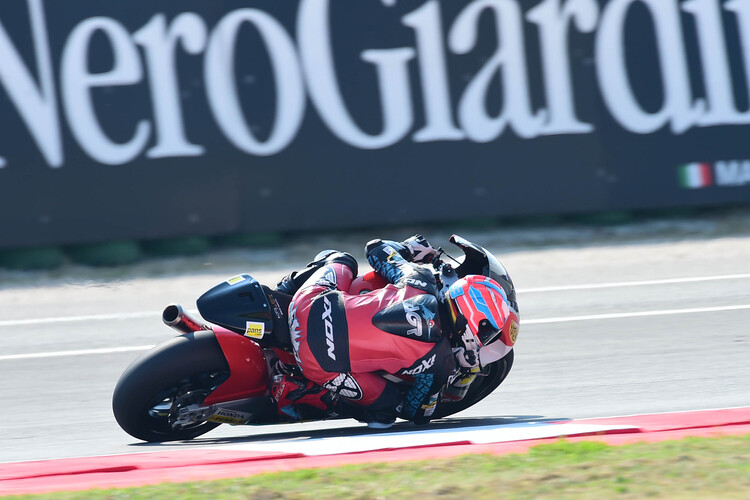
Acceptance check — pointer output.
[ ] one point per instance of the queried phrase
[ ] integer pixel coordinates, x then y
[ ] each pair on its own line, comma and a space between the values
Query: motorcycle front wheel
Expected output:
479, 389
179, 372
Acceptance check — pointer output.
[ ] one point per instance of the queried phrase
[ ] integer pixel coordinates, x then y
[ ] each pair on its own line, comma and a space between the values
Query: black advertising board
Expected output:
140, 120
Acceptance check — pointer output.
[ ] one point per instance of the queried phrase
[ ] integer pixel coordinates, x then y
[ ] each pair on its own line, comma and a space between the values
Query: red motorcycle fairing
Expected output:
247, 366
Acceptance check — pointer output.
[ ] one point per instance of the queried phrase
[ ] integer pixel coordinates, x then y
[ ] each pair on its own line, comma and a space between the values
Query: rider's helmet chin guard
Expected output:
479, 309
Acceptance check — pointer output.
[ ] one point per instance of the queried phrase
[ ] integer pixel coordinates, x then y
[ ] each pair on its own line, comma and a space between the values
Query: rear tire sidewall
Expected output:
154, 372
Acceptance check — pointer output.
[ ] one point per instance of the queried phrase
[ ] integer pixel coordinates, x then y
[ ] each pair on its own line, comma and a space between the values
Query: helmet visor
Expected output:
485, 332
459, 321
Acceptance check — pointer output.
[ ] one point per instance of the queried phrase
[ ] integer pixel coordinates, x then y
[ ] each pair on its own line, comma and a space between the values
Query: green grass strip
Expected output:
690, 468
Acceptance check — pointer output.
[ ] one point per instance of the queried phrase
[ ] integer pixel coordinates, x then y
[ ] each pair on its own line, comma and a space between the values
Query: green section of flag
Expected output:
695, 175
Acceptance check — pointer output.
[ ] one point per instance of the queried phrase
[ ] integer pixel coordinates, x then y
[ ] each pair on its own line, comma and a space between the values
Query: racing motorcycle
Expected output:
221, 370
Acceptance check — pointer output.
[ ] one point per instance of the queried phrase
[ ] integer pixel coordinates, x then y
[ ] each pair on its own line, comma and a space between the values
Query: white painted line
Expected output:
594, 286
477, 435
91, 317
152, 314
84, 352
633, 314
542, 321
584, 419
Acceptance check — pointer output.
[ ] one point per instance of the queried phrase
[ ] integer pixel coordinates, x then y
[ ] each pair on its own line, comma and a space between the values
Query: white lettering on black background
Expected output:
303, 67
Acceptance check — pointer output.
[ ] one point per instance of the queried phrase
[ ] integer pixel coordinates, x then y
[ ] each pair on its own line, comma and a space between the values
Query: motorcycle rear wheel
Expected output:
182, 370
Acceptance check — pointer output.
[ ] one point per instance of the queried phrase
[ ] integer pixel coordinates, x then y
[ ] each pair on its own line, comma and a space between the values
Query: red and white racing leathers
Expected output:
341, 341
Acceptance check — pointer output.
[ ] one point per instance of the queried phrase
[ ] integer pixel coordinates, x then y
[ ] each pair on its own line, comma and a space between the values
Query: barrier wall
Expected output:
138, 120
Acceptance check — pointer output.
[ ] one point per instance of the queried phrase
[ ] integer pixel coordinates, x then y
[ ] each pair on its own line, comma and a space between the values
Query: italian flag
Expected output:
695, 175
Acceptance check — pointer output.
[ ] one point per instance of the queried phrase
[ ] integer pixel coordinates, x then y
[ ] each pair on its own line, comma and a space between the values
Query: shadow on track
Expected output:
276, 436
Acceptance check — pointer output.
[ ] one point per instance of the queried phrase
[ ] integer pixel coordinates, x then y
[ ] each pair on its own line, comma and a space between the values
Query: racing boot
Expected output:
292, 282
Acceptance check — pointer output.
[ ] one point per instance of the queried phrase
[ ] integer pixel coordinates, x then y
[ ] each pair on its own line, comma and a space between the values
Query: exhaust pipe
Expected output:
181, 321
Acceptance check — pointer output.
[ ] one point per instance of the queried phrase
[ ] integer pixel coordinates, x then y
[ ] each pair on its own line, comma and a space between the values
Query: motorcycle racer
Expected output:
345, 343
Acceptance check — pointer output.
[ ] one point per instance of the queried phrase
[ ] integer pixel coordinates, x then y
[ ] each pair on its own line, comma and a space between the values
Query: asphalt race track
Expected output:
607, 330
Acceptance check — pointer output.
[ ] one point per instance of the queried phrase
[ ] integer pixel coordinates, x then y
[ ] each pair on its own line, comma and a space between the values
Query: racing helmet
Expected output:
480, 309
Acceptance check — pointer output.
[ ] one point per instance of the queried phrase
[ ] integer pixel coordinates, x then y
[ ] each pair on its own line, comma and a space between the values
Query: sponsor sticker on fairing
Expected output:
276, 307
223, 416
237, 279
254, 329
513, 331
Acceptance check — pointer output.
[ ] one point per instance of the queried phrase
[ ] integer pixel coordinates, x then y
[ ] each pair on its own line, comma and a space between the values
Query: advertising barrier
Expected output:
142, 120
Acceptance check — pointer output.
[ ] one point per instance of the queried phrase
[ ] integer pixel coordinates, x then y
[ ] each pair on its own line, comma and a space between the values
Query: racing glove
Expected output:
420, 249
466, 358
